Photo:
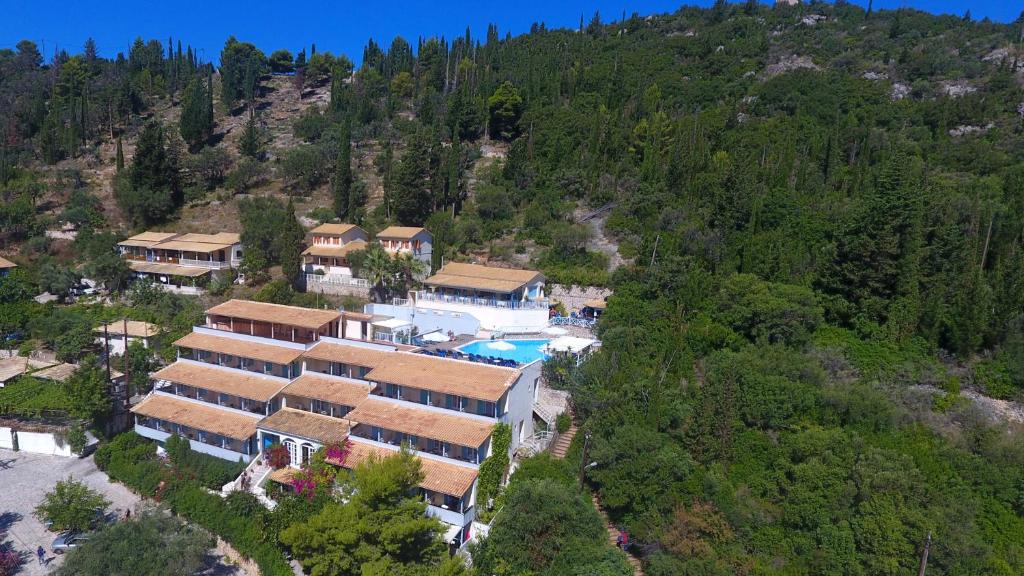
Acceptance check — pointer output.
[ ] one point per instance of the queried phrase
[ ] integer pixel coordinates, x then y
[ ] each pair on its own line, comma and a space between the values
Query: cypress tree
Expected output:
193, 114
249, 143
290, 247
120, 156
343, 174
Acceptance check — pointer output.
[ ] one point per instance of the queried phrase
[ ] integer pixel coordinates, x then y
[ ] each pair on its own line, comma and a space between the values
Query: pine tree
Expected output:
343, 174
120, 156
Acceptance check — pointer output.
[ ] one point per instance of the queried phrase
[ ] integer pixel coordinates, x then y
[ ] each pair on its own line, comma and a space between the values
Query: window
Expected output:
469, 454
485, 408
224, 400
376, 433
321, 406
451, 402
202, 436
268, 367
393, 391
425, 397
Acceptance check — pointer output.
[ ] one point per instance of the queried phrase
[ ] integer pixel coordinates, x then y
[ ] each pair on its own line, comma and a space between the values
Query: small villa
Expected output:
325, 263
407, 240
181, 263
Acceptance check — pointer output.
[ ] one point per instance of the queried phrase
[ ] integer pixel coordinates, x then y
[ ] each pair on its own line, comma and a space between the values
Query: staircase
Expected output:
561, 445
613, 536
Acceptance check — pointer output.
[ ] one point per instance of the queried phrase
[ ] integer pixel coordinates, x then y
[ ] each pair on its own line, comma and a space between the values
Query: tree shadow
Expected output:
8, 519
213, 565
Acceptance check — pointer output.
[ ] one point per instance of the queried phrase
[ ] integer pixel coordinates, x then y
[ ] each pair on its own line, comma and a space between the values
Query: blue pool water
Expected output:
522, 351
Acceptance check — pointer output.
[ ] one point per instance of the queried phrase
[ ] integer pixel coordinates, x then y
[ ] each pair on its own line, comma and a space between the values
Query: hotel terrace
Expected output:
326, 265
496, 299
261, 374
181, 262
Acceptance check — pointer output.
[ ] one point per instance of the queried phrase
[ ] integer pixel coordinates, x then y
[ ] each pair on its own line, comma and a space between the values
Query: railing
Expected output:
452, 517
211, 264
571, 321
336, 279
426, 296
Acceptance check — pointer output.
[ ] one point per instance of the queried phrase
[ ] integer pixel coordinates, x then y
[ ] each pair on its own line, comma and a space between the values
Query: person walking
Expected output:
41, 555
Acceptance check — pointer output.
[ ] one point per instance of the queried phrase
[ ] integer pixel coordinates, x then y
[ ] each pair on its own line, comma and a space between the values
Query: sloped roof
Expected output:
477, 277
331, 389
445, 375
237, 347
441, 477
147, 239
408, 419
338, 229
5, 263
195, 415
136, 328
400, 232
168, 269
317, 427
226, 381
596, 304
344, 354
335, 251
276, 313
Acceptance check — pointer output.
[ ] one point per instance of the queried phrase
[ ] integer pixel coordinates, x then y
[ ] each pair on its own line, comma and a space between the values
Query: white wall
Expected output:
35, 442
526, 320
6, 440
519, 404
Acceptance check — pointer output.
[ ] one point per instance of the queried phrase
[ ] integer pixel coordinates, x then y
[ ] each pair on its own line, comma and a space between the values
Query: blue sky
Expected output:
340, 26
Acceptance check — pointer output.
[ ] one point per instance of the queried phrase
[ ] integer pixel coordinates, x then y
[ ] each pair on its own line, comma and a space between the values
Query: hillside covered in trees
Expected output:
818, 210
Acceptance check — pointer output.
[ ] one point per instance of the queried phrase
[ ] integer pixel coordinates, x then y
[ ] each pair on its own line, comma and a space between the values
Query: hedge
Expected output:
130, 459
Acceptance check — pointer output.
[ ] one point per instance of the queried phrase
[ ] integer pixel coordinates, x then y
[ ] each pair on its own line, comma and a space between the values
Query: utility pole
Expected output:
924, 555
583, 457
106, 350
655, 251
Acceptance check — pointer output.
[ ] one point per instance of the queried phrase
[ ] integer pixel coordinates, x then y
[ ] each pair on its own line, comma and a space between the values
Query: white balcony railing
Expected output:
211, 264
425, 296
336, 279
452, 517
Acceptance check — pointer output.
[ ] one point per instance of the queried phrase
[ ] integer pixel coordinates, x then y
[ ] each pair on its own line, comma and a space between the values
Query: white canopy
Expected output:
569, 344
555, 331
392, 323
501, 345
435, 336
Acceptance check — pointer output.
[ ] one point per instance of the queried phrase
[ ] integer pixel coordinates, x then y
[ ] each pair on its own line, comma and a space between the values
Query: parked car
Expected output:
67, 541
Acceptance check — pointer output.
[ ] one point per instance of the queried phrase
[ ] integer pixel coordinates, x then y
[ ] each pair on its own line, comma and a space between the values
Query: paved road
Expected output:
25, 478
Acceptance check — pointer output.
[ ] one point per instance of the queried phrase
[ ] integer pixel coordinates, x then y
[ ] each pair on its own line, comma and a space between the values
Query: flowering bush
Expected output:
277, 456
10, 560
337, 453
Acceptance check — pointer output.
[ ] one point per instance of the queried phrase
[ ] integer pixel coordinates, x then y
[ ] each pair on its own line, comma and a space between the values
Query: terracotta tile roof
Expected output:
441, 477
282, 475
334, 251
238, 347
348, 315
328, 389
222, 380
147, 239
308, 425
434, 424
197, 416
335, 229
400, 232
477, 277
11, 368
168, 269
136, 329
275, 313
597, 304
5, 263
351, 355
59, 373
445, 375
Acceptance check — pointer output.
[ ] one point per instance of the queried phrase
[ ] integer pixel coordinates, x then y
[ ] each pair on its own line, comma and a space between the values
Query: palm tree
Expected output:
409, 269
378, 268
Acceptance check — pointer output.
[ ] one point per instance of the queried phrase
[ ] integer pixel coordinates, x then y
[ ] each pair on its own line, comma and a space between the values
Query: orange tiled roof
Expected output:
452, 428
445, 375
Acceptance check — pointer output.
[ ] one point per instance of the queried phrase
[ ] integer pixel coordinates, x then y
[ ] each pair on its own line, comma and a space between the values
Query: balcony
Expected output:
452, 517
211, 264
426, 296
336, 280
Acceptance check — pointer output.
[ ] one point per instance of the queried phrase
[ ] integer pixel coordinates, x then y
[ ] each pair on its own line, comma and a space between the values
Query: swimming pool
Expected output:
522, 351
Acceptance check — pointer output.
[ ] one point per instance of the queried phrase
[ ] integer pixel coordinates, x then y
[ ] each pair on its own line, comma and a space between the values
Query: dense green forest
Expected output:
820, 208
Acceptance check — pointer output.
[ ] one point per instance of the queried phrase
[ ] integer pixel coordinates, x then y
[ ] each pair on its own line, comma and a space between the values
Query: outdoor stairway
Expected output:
561, 445
613, 535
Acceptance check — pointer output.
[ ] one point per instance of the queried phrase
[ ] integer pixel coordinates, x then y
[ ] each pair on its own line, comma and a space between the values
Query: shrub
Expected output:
77, 439
210, 471
277, 456
492, 470
563, 422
